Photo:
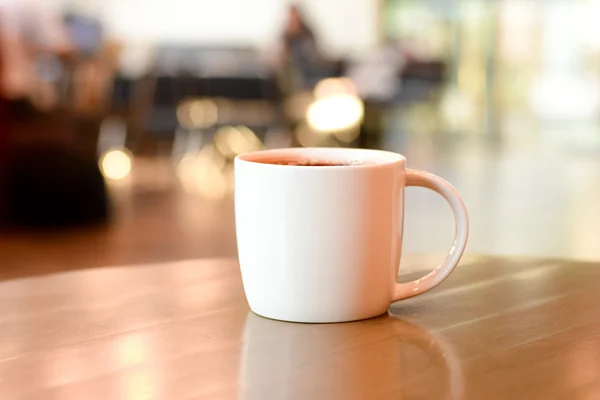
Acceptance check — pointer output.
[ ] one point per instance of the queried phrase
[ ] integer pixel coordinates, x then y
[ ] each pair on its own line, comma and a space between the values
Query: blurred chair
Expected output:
231, 82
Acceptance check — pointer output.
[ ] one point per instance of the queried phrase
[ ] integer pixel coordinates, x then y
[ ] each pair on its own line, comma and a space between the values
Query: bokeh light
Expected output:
348, 135
335, 113
233, 140
334, 86
116, 164
197, 113
203, 174
456, 109
308, 137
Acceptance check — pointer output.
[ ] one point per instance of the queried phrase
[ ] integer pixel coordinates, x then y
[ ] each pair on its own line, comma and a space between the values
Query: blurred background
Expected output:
119, 120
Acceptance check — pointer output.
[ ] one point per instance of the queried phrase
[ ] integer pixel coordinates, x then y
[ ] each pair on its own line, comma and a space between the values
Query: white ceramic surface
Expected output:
323, 243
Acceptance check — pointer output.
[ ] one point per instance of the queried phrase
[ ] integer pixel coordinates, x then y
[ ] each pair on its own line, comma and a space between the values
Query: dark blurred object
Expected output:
420, 80
5, 126
49, 186
432, 71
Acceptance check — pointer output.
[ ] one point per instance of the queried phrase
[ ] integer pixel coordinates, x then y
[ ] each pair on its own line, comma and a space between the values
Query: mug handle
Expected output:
461, 233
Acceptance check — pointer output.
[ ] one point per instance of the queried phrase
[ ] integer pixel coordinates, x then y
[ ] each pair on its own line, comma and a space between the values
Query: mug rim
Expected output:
354, 157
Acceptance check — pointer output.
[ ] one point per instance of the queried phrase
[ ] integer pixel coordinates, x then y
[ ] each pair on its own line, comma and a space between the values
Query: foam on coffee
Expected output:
312, 163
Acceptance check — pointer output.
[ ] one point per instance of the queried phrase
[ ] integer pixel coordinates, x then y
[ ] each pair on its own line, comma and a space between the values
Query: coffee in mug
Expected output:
300, 162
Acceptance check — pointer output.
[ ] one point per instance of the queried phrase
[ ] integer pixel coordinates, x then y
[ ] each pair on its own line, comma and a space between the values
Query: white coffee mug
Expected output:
323, 243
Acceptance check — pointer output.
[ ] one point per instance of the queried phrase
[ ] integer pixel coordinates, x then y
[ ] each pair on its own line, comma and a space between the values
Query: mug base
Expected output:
311, 322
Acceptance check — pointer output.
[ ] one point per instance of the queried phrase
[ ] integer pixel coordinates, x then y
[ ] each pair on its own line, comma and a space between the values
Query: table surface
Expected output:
496, 329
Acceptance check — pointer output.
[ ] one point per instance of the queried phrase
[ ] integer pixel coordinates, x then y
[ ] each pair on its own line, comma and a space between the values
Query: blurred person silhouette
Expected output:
43, 181
301, 60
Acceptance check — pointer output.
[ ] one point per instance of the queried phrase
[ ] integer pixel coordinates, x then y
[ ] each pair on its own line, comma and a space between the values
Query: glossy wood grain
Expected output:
496, 329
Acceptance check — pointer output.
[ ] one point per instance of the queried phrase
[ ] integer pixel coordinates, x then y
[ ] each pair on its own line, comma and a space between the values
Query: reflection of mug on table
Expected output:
378, 359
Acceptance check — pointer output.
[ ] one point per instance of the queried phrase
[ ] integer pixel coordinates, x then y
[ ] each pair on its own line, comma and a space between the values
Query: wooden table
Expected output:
497, 329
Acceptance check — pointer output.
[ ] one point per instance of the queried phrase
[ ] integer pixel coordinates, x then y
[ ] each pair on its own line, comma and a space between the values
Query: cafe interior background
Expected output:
120, 119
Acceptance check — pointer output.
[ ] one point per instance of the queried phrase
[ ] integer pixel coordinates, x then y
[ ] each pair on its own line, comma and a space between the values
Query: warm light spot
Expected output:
348, 135
535, 273
116, 164
231, 141
456, 108
203, 174
201, 113
307, 137
139, 385
333, 87
249, 135
335, 113
132, 349
296, 105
